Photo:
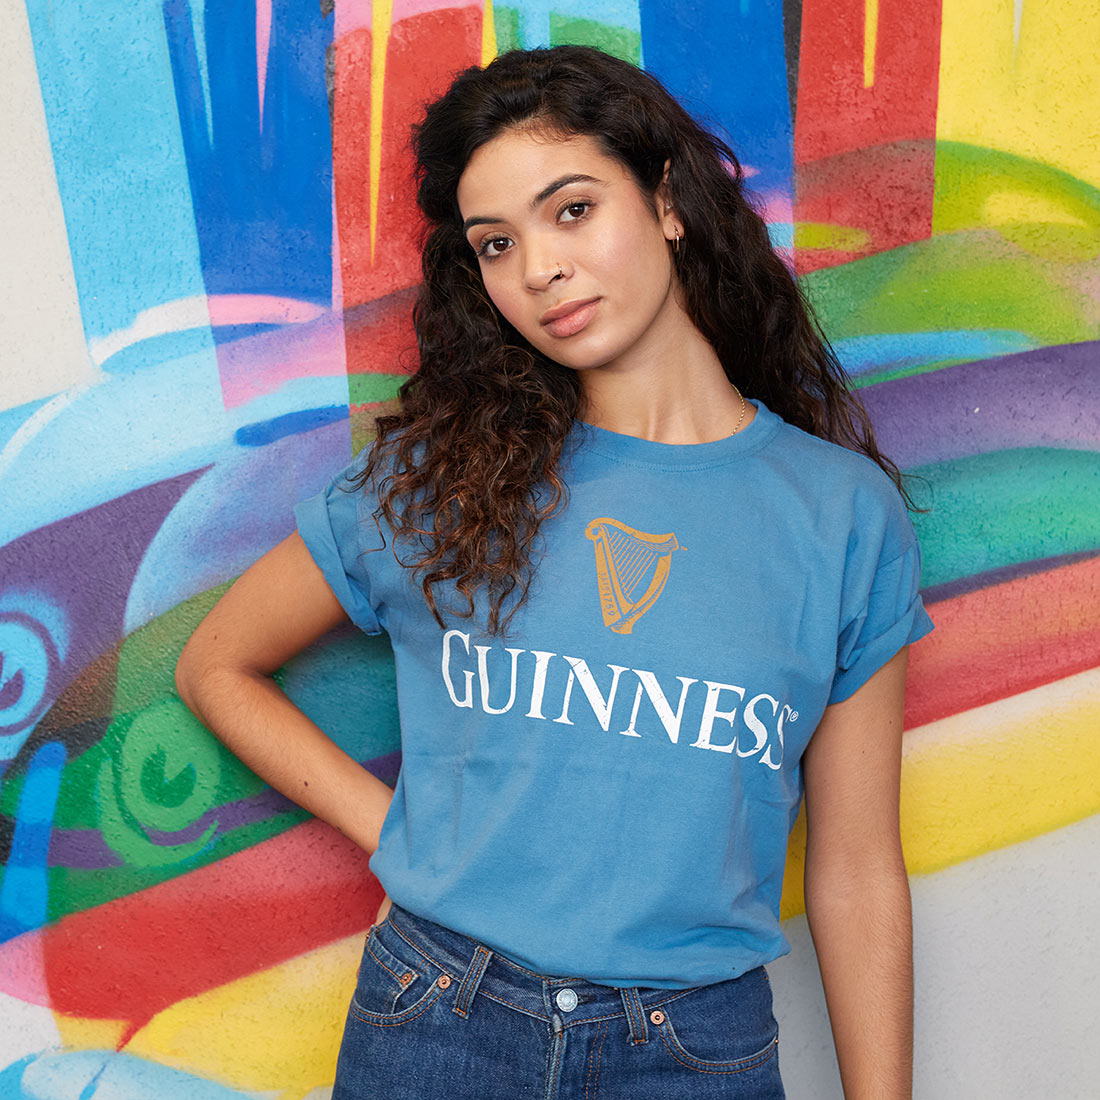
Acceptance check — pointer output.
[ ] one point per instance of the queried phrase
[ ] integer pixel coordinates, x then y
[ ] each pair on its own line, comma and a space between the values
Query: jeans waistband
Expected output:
570, 1000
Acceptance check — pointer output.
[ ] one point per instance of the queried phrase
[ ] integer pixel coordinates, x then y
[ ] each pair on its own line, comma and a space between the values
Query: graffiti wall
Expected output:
207, 266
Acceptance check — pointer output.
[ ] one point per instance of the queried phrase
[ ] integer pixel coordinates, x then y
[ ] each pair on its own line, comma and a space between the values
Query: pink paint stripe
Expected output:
406, 9
263, 42
262, 363
355, 15
23, 969
266, 309
777, 206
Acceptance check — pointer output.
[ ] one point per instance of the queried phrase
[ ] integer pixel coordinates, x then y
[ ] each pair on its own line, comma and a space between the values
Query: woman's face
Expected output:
572, 252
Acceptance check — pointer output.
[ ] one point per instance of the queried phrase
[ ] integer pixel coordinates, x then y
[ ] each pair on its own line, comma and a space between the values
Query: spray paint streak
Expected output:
381, 24
260, 190
870, 42
24, 891
263, 44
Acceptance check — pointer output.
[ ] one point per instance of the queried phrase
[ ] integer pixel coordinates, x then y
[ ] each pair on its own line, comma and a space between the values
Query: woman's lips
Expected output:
574, 321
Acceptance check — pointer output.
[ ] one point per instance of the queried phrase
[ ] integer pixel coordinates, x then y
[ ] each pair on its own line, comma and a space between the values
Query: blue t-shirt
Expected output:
606, 791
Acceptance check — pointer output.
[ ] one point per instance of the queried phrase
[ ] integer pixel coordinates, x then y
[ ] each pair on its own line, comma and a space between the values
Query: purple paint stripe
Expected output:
965, 585
83, 848
86, 849
1049, 397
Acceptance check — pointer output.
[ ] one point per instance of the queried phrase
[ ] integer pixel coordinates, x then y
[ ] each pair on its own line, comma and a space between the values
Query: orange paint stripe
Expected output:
1005, 639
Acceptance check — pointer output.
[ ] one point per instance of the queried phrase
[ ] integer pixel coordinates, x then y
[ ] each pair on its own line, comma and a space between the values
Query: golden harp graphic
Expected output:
631, 570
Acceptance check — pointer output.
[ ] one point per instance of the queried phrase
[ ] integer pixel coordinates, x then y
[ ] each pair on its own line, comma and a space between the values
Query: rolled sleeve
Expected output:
892, 616
331, 525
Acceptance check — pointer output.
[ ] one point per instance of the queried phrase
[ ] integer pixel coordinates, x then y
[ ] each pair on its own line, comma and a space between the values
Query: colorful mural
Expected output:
211, 256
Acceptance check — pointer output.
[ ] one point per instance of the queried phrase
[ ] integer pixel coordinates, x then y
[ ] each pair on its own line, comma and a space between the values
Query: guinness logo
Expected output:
631, 570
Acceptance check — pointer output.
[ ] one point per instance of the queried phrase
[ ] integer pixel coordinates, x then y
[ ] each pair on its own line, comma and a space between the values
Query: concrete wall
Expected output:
207, 260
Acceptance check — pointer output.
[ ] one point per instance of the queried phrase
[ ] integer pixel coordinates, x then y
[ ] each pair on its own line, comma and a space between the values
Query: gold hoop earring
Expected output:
676, 243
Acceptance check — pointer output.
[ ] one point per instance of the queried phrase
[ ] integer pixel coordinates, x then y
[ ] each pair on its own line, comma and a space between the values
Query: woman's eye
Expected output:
493, 247
574, 211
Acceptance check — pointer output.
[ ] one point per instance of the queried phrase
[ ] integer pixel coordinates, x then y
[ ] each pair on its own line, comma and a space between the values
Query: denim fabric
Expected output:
438, 1016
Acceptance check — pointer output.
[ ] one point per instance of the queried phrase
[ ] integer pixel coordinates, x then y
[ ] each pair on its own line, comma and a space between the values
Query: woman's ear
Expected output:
666, 208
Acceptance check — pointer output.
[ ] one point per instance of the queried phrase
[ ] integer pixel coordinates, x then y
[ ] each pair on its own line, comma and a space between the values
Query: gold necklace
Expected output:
737, 426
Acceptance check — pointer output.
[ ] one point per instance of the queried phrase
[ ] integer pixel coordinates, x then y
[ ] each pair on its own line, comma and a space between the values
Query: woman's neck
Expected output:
680, 396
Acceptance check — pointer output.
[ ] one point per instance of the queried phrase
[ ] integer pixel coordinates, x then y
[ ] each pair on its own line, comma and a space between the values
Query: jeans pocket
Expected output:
396, 983
724, 1028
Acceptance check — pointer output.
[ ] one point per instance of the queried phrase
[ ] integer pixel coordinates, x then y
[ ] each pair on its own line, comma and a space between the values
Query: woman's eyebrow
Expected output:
559, 183
545, 193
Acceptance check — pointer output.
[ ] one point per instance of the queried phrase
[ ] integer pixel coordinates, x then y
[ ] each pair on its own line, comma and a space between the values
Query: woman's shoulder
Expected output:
832, 467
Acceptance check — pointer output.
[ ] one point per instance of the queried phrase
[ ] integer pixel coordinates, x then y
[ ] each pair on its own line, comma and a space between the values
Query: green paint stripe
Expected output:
1004, 508
73, 890
965, 281
370, 388
506, 24
617, 41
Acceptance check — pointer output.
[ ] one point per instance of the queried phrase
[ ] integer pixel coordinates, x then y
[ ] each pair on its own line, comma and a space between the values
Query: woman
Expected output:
633, 543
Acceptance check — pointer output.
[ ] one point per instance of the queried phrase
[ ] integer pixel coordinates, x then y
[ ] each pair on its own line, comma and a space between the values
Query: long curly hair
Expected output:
468, 469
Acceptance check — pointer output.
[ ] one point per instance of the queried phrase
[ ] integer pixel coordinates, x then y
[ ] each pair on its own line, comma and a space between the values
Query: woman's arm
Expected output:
857, 893
274, 610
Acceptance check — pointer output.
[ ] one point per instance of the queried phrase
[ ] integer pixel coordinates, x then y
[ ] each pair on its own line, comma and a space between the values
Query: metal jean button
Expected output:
566, 1000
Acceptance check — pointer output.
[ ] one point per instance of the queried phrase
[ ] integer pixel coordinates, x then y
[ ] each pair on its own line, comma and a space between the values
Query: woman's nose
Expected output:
543, 268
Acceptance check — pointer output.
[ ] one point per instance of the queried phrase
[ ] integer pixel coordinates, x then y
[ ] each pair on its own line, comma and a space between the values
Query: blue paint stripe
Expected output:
154, 350
267, 431
262, 193
33, 836
24, 893
115, 134
862, 354
11, 420
729, 67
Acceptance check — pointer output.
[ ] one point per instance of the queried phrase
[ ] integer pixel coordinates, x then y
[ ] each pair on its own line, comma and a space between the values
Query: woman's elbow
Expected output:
188, 675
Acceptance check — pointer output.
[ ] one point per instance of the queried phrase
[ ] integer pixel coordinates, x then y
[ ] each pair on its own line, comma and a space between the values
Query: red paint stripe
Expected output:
836, 116
425, 51
1006, 639
884, 190
382, 334
133, 957
835, 112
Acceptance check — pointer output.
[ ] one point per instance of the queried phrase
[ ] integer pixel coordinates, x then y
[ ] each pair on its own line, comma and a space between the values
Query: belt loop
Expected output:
635, 1014
472, 979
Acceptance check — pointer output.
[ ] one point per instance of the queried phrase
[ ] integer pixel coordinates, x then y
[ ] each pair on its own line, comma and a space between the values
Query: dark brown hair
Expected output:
469, 467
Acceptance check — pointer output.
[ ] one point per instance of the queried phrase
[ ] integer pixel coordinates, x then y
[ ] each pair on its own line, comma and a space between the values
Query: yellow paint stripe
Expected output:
990, 777
1035, 97
870, 41
488, 34
278, 1029
86, 1033
381, 24
843, 238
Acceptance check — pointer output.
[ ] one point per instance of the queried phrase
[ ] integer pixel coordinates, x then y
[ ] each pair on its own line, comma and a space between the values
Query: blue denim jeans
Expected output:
438, 1016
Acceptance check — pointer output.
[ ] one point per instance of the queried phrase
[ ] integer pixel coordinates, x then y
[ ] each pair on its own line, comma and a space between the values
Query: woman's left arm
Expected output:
857, 892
